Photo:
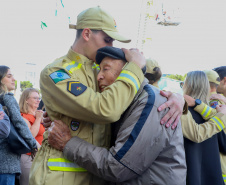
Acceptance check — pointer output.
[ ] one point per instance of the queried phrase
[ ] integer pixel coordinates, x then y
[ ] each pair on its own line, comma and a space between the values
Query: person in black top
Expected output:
203, 159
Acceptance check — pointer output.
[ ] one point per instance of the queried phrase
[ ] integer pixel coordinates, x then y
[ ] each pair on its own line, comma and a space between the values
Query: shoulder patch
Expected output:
59, 75
76, 88
213, 103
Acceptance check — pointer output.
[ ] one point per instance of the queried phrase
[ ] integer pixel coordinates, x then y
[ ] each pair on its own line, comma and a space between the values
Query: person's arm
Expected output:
204, 110
200, 132
36, 125
218, 97
4, 125
17, 120
127, 159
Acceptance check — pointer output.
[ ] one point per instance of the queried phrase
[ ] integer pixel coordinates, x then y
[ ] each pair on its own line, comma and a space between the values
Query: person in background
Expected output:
29, 102
10, 162
221, 89
4, 124
153, 72
200, 169
214, 81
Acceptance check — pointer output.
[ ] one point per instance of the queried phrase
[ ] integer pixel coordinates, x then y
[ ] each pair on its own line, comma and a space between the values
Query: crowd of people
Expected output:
107, 122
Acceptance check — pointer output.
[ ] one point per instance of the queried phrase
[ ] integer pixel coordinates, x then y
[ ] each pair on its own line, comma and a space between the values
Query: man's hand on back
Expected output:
133, 55
58, 135
221, 108
176, 103
218, 97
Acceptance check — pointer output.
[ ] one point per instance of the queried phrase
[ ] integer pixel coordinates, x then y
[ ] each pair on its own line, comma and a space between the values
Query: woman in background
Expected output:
203, 159
10, 162
29, 102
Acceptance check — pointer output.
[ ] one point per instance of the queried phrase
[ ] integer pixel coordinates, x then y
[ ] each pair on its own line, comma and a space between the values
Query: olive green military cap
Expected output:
98, 19
212, 76
150, 65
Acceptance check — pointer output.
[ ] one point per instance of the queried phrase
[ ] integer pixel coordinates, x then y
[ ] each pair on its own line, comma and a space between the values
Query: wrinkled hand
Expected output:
189, 100
58, 135
39, 114
133, 55
33, 153
176, 103
218, 97
221, 108
46, 120
1, 115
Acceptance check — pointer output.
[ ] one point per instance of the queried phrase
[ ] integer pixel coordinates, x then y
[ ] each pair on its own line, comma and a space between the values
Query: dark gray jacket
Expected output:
10, 162
4, 127
145, 152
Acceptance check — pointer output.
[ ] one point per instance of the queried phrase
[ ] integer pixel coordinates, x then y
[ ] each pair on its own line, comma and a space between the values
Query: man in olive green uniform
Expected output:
153, 72
214, 81
68, 88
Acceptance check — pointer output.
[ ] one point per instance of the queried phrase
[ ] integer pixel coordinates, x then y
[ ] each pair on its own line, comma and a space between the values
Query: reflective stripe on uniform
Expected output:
130, 78
72, 66
206, 111
218, 122
61, 164
224, 177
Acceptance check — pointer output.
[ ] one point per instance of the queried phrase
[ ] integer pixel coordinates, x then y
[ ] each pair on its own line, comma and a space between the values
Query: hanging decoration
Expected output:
43, 25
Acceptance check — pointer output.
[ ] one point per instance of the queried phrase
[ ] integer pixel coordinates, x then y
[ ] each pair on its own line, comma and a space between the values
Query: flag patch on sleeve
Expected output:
76, 88
59, 75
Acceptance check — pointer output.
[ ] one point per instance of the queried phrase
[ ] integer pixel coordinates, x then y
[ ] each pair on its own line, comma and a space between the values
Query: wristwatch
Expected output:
197, 102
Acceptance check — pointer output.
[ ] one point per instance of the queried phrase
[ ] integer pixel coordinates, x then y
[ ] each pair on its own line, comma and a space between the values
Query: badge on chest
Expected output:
74, 125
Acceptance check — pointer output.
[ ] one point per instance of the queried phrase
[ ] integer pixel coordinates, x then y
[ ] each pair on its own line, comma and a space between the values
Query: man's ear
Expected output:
86, 34
224, 80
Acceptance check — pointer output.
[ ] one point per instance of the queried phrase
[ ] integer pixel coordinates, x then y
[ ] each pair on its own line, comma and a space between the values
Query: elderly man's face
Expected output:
222, 87
109, 70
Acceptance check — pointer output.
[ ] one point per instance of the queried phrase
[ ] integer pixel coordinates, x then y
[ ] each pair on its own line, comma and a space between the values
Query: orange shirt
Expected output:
31, 119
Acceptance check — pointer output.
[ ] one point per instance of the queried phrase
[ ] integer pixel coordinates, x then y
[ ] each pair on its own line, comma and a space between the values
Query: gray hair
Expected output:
197, 86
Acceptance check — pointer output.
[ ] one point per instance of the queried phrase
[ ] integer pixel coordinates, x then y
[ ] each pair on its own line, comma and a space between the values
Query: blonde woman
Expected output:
203, 159
10, 161
29, 102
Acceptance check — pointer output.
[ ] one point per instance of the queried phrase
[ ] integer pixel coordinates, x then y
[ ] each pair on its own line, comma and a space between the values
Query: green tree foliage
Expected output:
177, 77
25, 84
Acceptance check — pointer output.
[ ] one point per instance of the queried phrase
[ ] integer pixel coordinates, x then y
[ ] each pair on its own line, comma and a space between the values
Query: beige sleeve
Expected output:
205, 111
90, 106
200, 132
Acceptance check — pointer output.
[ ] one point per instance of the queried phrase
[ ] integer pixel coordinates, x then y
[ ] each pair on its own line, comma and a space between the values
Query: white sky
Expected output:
198, 43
